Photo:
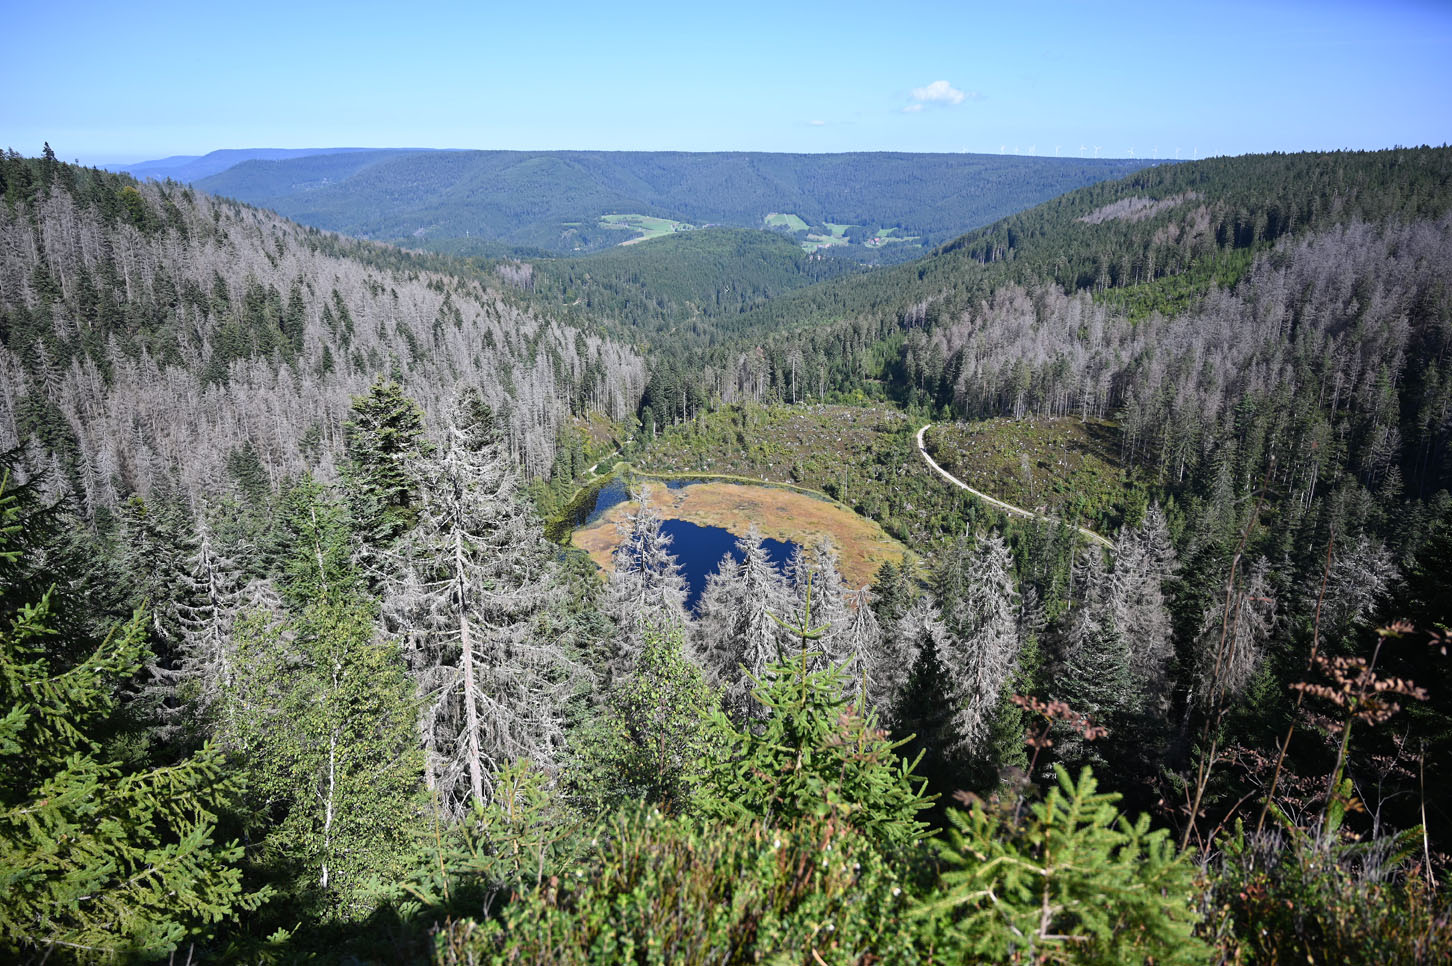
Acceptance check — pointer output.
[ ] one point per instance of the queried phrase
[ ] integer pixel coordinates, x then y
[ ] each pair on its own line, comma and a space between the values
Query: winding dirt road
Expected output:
991, 501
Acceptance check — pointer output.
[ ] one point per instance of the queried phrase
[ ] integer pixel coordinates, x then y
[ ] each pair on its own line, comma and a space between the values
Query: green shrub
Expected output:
817, 754
1071, 881
1291, 897
669, 890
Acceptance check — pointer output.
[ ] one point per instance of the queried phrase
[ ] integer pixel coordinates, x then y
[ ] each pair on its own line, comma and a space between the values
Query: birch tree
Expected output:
320, 714
321, 719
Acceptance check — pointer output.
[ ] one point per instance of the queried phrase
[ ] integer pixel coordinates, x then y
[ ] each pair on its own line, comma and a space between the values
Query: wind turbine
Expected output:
1131, 152
1083, 148
1056, 149
1003, 149
1032, 148
1096, 150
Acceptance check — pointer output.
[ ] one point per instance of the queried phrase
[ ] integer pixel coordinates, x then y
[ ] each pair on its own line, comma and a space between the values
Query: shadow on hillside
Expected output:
1100, 440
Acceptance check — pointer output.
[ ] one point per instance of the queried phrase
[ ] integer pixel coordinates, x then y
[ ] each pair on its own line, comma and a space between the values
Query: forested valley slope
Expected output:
158, 336
291, 669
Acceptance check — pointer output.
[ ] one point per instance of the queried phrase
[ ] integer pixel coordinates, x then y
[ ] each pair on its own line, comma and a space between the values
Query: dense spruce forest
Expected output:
291, 670
477, 202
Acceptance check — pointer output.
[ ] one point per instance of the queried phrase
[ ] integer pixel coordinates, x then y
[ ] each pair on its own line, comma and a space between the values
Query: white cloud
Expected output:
816, 123
938, 92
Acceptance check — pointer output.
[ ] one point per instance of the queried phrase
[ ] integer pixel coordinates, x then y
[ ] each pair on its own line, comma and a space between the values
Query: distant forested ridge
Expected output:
192, 167
553, 200
154, 333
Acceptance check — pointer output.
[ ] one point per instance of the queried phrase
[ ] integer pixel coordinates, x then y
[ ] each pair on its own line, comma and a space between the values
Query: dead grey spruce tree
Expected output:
1143, 560
214, 597
857, 648
1233, 632
980, 649
645, 593
469, 586
736, 633
919, 626
821, 566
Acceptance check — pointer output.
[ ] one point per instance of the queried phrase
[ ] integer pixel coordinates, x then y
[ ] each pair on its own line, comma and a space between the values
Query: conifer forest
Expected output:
1135, 650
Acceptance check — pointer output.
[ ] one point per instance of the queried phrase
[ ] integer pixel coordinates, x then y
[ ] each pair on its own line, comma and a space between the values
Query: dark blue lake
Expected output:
699, 549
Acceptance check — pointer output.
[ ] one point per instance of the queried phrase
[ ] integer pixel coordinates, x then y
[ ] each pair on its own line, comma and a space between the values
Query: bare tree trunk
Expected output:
471, 707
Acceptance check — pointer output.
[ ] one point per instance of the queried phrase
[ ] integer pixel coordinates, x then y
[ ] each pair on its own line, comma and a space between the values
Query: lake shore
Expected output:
779, 513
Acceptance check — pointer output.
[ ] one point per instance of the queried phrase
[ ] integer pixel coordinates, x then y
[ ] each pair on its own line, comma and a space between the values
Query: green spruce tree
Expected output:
98, 858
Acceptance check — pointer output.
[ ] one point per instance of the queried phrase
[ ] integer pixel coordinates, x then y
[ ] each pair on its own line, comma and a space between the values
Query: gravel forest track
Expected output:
1009, 508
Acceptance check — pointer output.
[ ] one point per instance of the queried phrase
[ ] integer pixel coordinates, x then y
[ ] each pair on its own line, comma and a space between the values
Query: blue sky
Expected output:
107, 82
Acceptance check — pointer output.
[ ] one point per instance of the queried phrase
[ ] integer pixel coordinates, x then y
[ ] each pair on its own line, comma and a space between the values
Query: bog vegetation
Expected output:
290, 670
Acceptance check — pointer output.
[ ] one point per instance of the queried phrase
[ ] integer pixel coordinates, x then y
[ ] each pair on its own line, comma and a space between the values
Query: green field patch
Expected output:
837, 230
886, 236
817, 242
791, 222
1063, 467
646, 226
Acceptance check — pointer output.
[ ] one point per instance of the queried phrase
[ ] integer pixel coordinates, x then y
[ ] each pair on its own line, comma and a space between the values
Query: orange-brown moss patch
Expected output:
778, 513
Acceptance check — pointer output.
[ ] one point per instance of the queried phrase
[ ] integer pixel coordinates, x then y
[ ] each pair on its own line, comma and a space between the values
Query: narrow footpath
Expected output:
1005, 507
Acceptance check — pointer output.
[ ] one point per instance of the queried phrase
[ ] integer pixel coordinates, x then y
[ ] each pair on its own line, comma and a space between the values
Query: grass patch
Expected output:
816, 242
779, 219
779, 513
647, 226
1062, 467
886, 236
838, 231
